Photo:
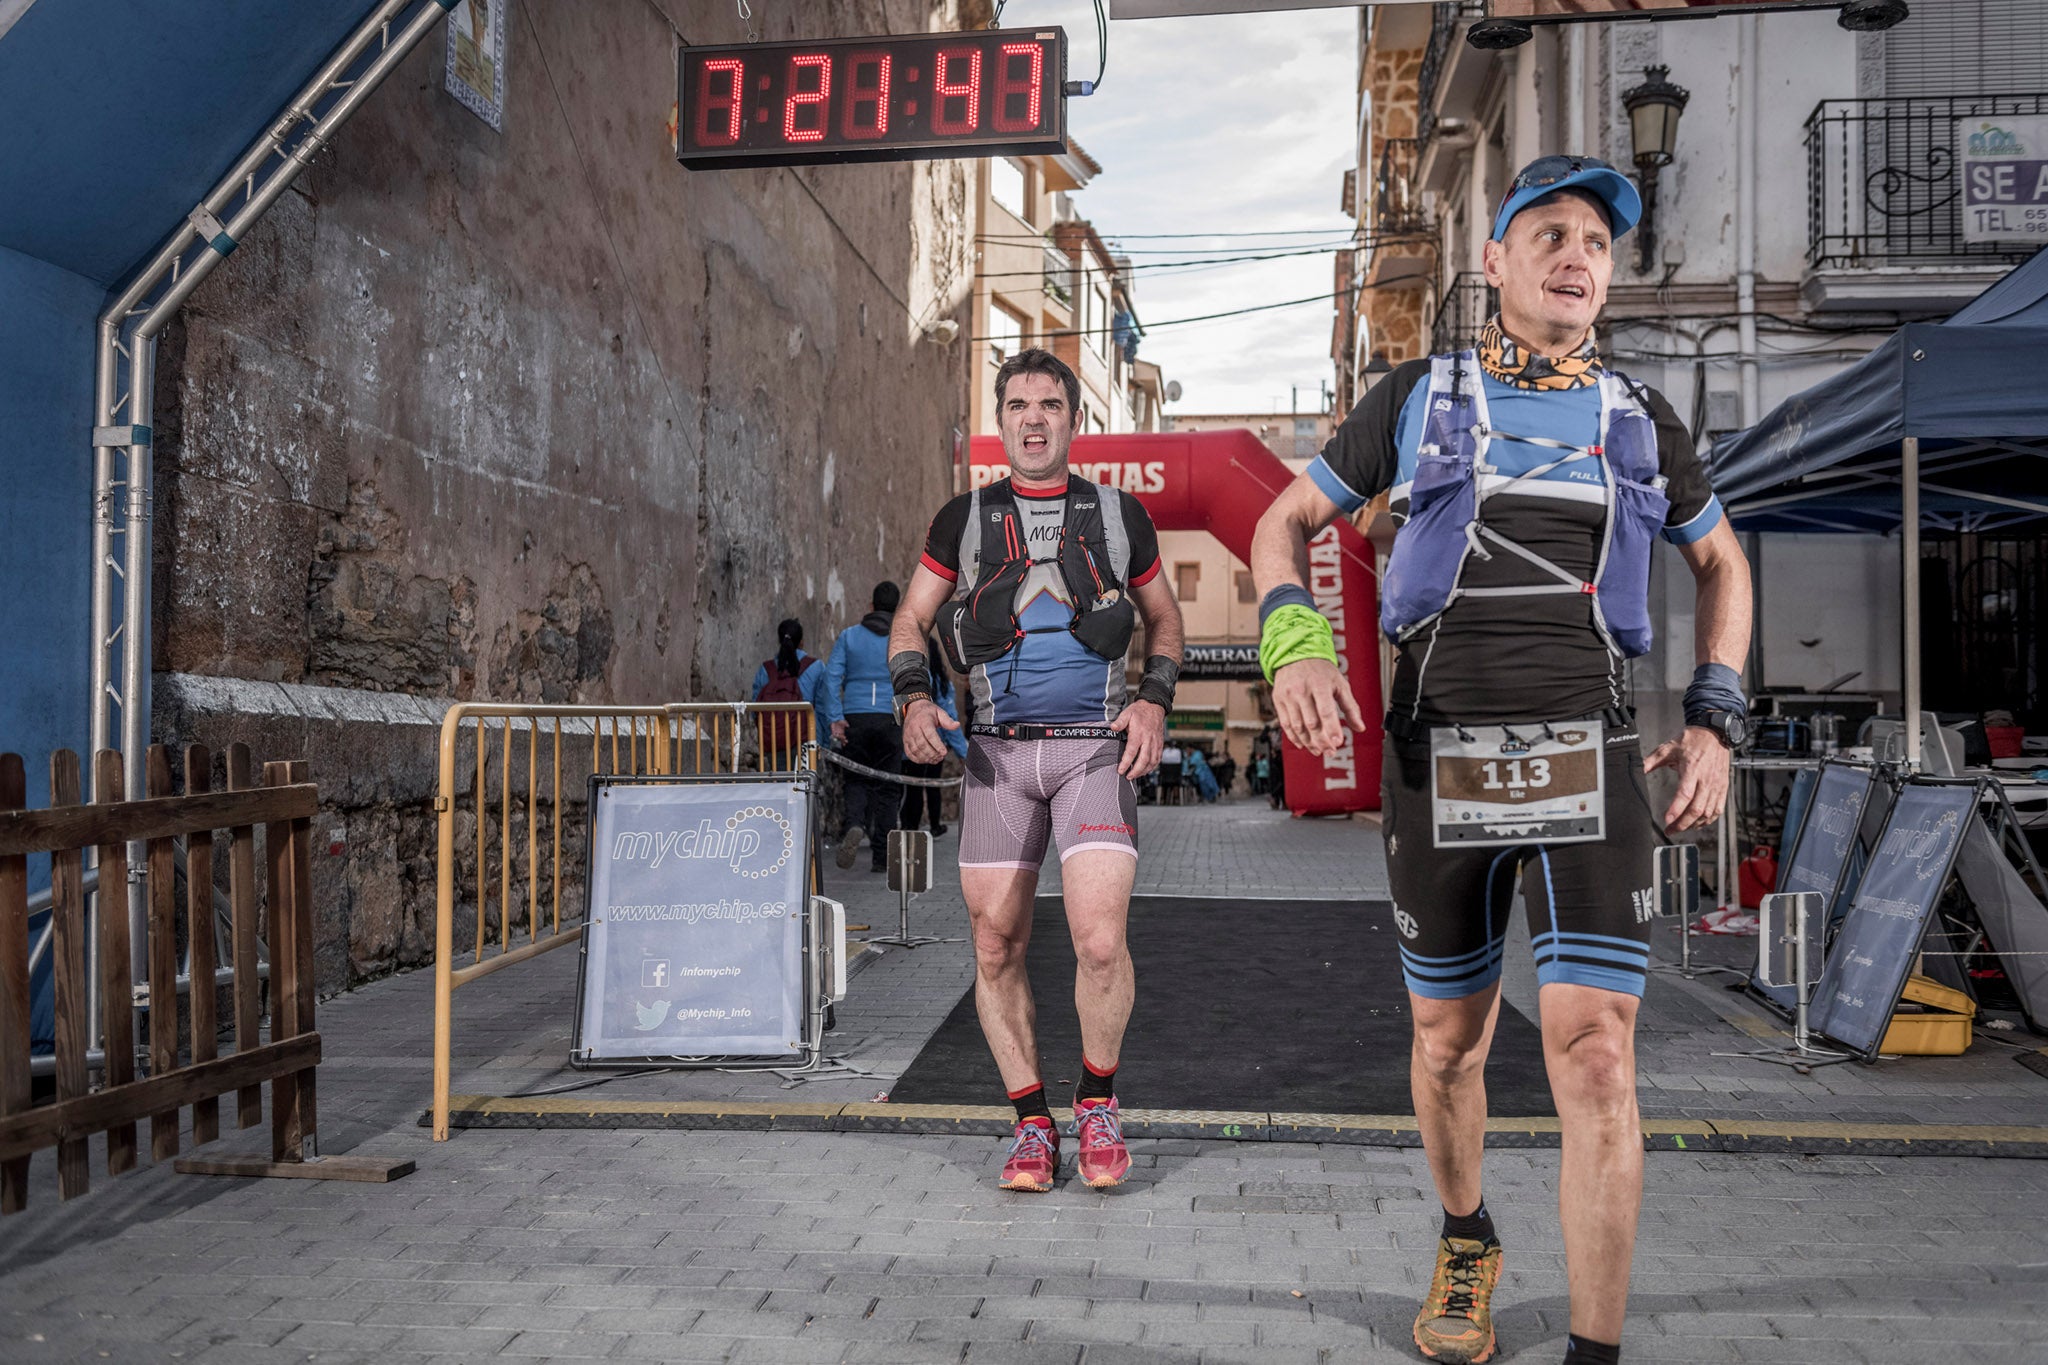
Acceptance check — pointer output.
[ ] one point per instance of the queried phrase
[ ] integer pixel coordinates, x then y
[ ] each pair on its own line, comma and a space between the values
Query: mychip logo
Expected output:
755, 842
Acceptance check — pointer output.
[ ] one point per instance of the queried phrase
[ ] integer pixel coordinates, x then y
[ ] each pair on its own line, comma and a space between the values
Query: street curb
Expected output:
1787, 1138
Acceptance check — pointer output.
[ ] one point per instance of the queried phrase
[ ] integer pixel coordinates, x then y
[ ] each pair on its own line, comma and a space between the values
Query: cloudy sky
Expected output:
1220, 124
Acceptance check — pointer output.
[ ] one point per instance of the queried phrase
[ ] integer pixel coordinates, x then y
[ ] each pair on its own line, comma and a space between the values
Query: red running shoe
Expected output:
1034, 1158
1103, 1161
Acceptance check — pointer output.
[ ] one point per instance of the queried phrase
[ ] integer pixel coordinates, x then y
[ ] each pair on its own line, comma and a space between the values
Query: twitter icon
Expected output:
650, 1016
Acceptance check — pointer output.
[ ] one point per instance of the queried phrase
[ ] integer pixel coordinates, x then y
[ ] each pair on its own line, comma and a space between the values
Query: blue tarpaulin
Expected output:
1970, 388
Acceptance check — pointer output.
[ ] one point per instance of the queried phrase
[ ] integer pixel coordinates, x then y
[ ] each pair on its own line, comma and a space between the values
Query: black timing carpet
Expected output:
1289, 1006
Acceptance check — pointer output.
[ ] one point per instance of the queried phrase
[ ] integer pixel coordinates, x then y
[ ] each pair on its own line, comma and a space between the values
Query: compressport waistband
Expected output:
1045, 732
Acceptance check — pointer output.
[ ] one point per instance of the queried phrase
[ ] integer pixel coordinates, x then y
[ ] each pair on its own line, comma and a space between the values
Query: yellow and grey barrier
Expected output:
516, 769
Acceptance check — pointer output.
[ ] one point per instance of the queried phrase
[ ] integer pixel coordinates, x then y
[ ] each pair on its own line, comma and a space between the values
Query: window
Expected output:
1005, 332
1186, 578
1006, 184
1977, 47
1098, 319
1247, 588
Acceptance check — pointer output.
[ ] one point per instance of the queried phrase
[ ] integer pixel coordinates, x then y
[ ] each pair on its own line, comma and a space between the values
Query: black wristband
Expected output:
1161, 676
910, 671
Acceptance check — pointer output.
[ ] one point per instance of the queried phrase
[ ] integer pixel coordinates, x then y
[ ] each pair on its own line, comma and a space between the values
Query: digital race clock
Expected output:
927, 95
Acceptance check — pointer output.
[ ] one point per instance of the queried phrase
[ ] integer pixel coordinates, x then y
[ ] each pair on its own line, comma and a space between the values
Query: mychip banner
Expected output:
694, 945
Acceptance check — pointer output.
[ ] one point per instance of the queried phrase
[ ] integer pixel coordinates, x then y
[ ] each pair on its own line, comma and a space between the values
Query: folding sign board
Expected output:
694, 946
1819, 862
1880, 936
1675, 894
1786, 933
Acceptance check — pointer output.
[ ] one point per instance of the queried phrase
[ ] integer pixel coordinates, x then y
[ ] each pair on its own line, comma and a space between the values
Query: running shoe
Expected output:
849, 845
1034, 1158
1103, 1160
1456, 1321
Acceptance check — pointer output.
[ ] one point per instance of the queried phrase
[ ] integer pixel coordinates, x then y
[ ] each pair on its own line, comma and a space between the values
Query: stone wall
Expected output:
1394, 318
537, 415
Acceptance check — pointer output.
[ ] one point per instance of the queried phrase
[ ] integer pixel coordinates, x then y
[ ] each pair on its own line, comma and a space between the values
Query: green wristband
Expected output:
1293, 633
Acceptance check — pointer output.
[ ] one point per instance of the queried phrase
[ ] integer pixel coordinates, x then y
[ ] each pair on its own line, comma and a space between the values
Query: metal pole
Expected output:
1909, 550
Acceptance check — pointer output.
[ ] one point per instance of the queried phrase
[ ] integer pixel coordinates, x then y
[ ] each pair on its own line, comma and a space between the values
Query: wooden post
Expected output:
200, 952
163, 961
117, 985
289, 845
67, 971
242, 897
15, 1086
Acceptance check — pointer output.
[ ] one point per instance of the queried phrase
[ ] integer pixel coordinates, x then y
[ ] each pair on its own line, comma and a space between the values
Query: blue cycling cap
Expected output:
1548, 174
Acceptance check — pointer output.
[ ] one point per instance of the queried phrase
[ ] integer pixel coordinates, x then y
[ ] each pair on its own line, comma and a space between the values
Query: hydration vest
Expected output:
982, 626
1447, 526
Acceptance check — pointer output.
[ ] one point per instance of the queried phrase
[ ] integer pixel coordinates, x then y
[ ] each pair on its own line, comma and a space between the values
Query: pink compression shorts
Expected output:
1020, 793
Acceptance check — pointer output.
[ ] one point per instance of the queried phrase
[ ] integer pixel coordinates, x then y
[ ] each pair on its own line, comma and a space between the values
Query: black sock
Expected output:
1579, 1351
1095, 1084
1031, 1104
1476, 1226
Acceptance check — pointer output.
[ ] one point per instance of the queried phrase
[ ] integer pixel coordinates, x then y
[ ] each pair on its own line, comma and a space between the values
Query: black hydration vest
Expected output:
982, 626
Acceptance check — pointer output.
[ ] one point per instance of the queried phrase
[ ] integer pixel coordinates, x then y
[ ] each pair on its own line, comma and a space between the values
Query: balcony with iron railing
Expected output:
1885, 223
1447, 23
1059, 276
1461, 312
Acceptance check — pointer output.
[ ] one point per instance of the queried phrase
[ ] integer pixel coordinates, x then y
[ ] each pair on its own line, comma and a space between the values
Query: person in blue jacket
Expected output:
858, 706
918, 801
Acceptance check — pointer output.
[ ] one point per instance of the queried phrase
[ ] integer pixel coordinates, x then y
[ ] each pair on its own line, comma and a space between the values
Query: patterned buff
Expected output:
1508, 362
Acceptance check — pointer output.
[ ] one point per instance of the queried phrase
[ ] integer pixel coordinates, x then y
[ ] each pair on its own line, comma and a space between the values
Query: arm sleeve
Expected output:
1694, 508
1362, 460
1144, 541
830, 709
942, 542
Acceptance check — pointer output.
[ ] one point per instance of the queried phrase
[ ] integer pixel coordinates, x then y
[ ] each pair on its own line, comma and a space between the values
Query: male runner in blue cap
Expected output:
1529, 482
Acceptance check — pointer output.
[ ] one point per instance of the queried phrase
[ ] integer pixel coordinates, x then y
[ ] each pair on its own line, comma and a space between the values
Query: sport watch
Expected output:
1730, 727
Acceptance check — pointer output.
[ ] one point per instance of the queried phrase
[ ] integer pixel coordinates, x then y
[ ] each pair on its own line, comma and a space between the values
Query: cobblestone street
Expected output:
581, 1243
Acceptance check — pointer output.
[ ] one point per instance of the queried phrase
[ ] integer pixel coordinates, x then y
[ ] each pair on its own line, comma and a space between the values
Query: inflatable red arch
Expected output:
1222, 482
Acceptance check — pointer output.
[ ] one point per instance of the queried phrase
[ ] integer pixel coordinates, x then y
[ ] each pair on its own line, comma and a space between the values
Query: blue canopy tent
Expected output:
1944, 425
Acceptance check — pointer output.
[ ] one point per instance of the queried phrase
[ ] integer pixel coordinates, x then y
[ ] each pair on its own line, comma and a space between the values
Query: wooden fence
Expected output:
181, 1072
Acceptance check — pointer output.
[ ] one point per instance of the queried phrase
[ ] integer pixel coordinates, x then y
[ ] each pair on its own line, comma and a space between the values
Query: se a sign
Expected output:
2005, 178
903, 98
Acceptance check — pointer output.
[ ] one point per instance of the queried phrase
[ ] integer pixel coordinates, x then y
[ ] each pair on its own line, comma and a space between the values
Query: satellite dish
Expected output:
1173, 390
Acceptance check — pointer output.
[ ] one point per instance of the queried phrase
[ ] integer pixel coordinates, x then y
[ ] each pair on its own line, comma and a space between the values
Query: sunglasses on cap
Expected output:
1549, 170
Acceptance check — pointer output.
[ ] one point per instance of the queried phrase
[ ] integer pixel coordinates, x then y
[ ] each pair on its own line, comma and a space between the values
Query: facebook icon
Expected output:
654, 972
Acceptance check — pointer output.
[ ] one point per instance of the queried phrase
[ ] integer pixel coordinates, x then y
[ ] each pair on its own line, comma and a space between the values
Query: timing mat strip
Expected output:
1365, 1130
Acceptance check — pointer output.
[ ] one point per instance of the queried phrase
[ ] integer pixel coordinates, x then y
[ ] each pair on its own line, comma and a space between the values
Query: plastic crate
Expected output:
1939, 1027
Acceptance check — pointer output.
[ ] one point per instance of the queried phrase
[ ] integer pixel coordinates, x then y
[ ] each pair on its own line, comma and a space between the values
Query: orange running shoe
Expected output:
1034, 1158
1456, 1321
1103, 1160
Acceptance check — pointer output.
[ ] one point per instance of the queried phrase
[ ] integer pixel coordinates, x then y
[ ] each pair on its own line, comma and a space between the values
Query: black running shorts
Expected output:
1589, 905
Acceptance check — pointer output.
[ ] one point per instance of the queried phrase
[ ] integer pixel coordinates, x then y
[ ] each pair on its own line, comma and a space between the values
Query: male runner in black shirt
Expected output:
1529, 482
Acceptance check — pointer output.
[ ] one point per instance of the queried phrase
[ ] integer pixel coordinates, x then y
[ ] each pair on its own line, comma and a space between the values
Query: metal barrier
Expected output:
489, 752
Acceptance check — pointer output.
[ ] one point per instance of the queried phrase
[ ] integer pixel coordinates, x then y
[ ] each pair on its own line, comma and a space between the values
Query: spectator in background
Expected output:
792, 675
918, 800
858, 704
1226, 772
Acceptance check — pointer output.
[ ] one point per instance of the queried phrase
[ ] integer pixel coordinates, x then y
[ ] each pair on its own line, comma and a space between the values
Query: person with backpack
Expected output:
920, 801
790, 676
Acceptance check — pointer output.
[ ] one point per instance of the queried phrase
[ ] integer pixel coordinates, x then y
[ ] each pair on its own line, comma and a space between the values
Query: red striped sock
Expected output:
1030, 1102
1096, 1085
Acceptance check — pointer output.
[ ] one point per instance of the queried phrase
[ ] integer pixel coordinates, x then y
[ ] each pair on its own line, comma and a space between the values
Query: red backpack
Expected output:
783, 686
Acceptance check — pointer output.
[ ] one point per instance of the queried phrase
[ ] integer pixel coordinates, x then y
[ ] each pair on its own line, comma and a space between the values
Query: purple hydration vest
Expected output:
1446, 522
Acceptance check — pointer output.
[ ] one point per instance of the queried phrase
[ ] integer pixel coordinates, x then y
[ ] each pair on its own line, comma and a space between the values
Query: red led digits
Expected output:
1021, 92
799, 100
866, 114
949, 84
718, 115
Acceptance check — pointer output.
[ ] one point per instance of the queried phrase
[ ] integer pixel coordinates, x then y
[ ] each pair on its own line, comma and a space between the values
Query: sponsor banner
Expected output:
695, 941
2005, 178
1220, 663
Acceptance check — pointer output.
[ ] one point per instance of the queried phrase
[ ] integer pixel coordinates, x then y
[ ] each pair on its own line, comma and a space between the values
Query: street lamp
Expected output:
1377, 369
1653, 110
